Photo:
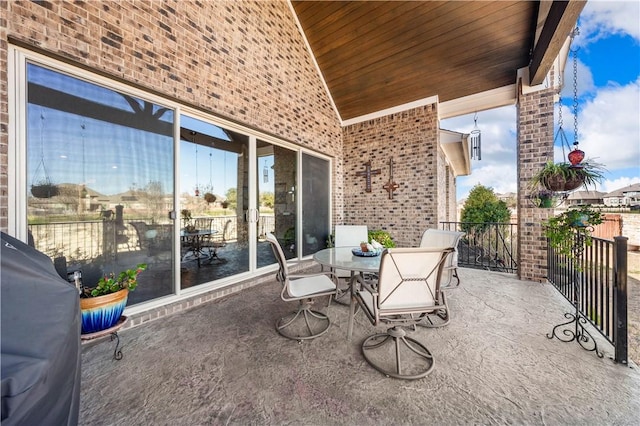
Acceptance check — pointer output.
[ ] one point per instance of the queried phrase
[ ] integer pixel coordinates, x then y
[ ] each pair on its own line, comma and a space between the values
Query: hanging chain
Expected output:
560, 122
574, 33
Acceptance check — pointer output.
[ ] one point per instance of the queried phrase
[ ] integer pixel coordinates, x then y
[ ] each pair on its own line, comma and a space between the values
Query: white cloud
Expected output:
585, 84
600, 19
615, 184
497, 169
608, 123
609, 126
499, 176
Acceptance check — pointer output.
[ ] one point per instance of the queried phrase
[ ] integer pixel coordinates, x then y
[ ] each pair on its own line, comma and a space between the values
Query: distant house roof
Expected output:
635, 187
586, 195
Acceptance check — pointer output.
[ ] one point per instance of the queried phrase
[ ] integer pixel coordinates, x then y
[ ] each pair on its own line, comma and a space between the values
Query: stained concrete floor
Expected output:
224, 363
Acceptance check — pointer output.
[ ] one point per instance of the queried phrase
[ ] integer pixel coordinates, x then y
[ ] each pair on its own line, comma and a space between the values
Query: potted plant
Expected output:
543, 198
102, 306
573, 225
383, 237
209, 197
185, 214
559, 177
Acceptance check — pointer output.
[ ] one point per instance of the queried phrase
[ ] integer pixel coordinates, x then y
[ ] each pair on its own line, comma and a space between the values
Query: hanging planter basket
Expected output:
561, 183
209, 197
564, 177
45, 190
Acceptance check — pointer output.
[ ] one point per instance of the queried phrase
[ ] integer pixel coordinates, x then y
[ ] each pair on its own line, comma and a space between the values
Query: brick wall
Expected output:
242, 60
411, 138
535, 147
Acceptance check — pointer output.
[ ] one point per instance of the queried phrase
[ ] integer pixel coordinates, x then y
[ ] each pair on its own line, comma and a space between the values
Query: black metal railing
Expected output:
596, 284
489, 245
84, 240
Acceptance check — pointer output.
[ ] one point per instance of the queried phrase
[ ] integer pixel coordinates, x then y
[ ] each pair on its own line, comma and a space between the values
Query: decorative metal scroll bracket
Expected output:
579, 333
367, 173
391, 186
113, 333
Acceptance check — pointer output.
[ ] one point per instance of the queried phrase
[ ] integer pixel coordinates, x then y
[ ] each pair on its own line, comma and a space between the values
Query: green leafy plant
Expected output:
543, 198
383, 237
567, 177
111, 283
185, 214
563, 229
186, 220
481, 209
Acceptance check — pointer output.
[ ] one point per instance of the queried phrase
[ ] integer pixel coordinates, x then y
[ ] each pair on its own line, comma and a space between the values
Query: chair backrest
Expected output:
441, 238
283, 272
409, 279
141, 230
350, 235
225, 230
203, 224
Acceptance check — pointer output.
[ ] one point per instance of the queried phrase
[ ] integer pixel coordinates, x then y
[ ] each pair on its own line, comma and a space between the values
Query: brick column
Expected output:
535, 147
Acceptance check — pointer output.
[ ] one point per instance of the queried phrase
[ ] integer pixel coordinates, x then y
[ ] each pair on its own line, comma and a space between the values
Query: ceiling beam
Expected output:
559, 22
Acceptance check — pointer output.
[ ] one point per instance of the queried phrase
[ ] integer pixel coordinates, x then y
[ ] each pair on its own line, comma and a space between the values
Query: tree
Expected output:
267, 199
231, 197
482, 207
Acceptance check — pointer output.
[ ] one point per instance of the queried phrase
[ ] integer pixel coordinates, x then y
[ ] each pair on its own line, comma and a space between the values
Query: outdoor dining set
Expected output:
402, 288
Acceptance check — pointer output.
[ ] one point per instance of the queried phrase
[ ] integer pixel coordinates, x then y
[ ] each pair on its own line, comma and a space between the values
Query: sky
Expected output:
608, 87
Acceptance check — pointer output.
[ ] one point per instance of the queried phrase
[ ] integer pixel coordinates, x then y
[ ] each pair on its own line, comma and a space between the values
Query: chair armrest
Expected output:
312, 274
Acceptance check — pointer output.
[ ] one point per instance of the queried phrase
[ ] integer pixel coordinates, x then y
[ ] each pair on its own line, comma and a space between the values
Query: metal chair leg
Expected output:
304, 323
407, 358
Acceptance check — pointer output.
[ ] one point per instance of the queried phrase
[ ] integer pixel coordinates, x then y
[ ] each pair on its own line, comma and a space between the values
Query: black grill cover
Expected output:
40, 319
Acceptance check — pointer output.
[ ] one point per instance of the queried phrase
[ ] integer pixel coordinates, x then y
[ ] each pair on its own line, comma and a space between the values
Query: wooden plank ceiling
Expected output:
376, 55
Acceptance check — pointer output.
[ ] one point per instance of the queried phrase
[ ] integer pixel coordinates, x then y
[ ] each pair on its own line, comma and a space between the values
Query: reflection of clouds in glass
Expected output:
114, 156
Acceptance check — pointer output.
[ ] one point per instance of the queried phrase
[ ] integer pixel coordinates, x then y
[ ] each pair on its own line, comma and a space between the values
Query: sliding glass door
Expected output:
315, 203
99, 180
277, 200
214, 185
111, 177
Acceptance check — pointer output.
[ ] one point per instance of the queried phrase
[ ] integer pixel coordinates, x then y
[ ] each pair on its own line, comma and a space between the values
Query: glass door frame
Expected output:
19, 57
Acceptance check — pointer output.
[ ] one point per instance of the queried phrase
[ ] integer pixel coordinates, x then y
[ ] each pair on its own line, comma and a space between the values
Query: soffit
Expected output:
377, 55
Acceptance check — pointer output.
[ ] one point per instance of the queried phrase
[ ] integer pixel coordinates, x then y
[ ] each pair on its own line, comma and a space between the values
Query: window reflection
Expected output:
277, 200
97, 161
214, 191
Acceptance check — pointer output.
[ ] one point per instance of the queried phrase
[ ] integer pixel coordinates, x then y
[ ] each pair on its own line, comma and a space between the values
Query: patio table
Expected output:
194, 242
343, 258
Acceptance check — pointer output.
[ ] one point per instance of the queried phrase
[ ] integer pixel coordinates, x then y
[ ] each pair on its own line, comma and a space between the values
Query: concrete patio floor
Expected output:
223, 363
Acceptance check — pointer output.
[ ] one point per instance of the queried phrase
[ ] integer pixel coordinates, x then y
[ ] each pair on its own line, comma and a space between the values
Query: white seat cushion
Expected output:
306, 286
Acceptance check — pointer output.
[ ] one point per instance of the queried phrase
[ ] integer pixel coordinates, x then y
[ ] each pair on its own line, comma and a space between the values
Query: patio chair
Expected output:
407, 290
304, 323
222, 242
146, 236
348, 236
441, 238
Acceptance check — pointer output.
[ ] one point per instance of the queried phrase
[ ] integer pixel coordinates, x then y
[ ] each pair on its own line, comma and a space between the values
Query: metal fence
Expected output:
85, 240
489, 245
597, 284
